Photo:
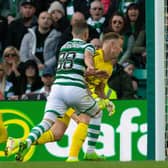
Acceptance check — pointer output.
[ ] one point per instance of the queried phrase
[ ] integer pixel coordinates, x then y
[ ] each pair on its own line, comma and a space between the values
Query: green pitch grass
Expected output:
86, 164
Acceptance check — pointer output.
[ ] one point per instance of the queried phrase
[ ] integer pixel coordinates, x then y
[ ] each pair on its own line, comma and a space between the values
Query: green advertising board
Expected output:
123, 136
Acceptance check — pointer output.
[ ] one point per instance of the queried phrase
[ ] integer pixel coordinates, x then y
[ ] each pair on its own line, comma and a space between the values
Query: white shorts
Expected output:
62, 98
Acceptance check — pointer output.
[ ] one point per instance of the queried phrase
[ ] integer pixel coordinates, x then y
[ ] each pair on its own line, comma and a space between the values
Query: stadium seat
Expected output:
141, 75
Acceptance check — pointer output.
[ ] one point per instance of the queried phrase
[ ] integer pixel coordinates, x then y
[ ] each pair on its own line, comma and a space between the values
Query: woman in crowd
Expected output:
117, 25
30, 81
136, 27
11, 60
6, 87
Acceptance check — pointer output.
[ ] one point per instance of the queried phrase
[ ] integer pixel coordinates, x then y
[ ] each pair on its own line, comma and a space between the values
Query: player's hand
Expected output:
106, 103
90, 71
101, 103
110, 107
101, 74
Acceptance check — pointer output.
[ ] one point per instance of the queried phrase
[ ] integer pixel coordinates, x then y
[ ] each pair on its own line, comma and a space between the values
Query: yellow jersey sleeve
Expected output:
100, 64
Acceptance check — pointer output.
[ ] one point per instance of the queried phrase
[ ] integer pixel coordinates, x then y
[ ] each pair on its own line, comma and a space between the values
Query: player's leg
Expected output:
86, 104
57, 130
35, 133
53, 109
78, 137
3, 131
92, 137
53, 134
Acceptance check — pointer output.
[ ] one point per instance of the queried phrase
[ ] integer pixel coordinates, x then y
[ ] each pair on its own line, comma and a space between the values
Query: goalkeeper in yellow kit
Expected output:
103, 62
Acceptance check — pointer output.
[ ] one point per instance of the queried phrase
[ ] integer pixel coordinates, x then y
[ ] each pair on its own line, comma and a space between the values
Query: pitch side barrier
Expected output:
123, 136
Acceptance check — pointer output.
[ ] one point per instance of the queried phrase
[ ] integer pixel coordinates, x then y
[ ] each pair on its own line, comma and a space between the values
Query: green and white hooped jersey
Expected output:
71, 66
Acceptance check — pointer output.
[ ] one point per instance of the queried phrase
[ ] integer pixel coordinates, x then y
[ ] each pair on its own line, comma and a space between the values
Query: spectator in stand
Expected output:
129, 68
117, 24
10, 9
134, 26
13, 66
19, 27
41, 43
134, 23
60, 21
6, 87
67, 35
121, 82
3, 34
139, 50
47, 79
29, 82
96, 19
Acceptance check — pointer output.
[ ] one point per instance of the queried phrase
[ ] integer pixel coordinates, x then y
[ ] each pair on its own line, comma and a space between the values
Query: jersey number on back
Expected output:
66, 60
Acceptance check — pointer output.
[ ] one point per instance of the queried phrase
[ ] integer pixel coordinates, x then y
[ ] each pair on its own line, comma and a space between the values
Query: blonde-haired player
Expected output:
103, 62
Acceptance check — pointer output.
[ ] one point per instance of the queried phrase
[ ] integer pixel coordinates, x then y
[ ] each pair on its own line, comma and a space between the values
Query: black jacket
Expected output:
121, 82
16, 31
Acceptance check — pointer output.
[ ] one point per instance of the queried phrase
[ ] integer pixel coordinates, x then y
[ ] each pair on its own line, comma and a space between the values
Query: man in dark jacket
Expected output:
18, 28
121, 82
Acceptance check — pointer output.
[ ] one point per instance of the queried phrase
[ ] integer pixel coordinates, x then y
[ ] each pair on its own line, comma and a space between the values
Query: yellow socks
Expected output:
46, 137
78, 139
3, 131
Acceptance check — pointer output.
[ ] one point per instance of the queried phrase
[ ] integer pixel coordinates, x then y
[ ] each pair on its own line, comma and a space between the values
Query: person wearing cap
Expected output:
129, 68
41, 42
47, 79
26, 20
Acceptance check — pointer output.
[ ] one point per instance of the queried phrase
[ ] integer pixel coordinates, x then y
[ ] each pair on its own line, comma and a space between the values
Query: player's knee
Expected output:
84, 118
58, 130
58, 136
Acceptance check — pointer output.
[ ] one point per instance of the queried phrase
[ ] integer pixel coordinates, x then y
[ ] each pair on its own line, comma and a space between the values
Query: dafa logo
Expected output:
123, 136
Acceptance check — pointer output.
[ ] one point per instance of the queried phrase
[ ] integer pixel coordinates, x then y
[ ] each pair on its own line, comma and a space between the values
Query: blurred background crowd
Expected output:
32, 32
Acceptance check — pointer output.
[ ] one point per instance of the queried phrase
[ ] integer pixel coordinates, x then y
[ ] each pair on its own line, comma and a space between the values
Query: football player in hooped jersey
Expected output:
75, 58
103, 61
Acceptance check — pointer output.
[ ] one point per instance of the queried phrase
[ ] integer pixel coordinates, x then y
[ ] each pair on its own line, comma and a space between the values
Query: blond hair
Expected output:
111, 36
15, 50
3, 80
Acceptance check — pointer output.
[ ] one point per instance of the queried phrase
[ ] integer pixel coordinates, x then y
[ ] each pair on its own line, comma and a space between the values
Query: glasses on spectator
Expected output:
117, 21
97, 8
10, 54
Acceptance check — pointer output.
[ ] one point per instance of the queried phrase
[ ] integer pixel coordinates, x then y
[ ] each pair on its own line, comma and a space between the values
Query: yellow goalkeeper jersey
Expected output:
100, 64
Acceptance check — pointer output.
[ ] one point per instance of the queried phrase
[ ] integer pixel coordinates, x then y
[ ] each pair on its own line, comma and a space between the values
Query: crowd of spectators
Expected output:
32, 32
